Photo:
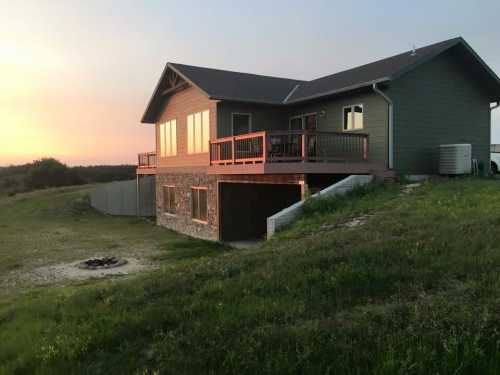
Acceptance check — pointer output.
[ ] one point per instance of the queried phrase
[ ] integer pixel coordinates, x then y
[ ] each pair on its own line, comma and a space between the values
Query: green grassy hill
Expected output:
415, 290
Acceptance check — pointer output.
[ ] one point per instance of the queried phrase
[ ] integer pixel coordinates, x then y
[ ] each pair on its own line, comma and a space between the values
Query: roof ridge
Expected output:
456, 39
235, 72
219, 84
290, 93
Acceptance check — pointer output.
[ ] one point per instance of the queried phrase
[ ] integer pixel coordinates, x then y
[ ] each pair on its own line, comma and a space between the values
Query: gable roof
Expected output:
365, 75
227, 85
252, 88
382, 70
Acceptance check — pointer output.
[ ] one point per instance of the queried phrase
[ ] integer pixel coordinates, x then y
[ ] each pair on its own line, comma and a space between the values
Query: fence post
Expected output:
137, 193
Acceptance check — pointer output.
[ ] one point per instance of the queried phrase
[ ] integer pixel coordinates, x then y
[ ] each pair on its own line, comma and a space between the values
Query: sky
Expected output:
75, 76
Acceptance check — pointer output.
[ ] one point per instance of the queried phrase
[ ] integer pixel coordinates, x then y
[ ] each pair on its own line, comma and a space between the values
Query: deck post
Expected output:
232, 150
210, 153
304, 146
264, 147
365, 148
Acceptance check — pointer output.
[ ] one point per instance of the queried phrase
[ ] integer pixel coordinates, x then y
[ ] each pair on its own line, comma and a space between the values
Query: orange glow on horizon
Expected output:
48, 110
24, 131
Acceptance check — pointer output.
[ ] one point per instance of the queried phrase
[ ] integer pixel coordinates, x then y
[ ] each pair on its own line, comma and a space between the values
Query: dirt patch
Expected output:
351, 223
70, 271
407, 189
356, 221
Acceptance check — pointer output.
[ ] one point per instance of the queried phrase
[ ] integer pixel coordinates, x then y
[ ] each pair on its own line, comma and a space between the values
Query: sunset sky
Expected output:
75, 76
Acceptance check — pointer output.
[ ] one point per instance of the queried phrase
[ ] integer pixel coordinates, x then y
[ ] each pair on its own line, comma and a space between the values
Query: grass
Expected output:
54, 226
415, 290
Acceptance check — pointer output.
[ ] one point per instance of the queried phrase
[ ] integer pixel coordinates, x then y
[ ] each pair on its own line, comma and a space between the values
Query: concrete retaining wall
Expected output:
120, 197
289, 214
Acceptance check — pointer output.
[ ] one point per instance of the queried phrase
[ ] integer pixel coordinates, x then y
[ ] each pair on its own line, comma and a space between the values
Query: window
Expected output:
169, 199
353, 117
168, 138
301, 122
199, 203
296, 123
198, 125
310, 121
242, 123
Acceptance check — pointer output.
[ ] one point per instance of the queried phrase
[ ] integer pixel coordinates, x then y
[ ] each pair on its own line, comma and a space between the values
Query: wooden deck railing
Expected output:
146, 160
289, 146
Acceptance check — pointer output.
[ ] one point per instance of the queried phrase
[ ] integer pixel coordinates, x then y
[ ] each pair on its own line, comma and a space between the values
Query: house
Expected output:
234, 148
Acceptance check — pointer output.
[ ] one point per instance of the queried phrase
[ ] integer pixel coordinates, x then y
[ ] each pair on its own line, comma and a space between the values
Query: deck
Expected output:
275, 152
146, 163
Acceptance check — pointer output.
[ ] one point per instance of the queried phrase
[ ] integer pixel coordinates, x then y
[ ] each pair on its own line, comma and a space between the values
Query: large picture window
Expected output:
168, 138
169, 199
198, 132
353, 117
199, 204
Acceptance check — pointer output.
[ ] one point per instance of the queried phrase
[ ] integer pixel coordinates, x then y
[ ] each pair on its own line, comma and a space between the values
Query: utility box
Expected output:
455, 159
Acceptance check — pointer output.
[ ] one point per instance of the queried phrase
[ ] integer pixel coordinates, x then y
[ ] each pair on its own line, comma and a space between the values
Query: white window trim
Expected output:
302, 119
352, 108
250, 125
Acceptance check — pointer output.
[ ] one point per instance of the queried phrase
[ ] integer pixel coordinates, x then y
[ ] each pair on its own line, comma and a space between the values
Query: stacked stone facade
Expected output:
182, 221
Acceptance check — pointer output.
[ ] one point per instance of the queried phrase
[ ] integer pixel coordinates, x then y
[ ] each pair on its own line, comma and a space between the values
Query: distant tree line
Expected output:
49, 172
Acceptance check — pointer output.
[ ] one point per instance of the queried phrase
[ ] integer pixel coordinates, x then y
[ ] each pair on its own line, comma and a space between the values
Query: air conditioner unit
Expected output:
455, 159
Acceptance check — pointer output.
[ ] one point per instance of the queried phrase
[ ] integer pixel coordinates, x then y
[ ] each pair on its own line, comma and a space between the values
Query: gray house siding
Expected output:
438, 103
263, 117
375, 119
277, 118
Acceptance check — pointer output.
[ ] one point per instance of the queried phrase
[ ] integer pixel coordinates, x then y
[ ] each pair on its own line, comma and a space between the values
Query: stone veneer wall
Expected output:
182, 221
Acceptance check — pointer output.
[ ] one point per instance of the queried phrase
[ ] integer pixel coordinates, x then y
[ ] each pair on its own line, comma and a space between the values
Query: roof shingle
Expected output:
384, 69
223, 84
245, 87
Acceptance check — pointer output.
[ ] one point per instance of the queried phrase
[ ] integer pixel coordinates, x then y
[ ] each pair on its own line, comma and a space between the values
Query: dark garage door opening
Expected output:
244, 208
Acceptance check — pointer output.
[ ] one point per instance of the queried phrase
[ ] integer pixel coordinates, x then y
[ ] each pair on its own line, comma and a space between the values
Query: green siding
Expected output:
275, 118
263, 117
375, 113
437, 103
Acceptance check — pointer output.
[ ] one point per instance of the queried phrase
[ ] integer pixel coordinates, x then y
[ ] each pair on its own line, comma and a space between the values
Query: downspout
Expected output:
495, 106
391, 124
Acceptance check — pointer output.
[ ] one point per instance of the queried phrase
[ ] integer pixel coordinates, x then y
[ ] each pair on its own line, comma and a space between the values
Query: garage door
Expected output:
244, 207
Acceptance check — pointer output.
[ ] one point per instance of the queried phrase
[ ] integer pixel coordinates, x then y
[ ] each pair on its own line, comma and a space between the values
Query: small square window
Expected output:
199, 204
169, 199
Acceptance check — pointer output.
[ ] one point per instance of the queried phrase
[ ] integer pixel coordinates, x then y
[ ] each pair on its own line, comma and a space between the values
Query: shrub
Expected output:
50, 172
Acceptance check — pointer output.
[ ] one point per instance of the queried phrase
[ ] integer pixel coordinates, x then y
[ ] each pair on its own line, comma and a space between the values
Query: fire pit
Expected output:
101, 263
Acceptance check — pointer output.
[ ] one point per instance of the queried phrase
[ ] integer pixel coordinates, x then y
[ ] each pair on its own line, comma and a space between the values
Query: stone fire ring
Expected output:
101, 263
